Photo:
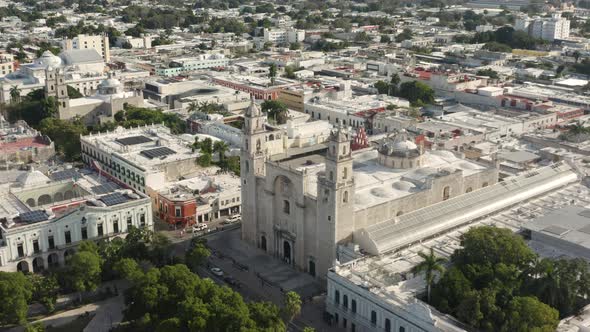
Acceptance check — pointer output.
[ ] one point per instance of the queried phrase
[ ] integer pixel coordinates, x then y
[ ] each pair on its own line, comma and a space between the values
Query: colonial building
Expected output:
303, 203
43, 218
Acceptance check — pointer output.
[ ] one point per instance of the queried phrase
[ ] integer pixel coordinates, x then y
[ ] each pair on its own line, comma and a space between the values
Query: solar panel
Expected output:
104, 188
64, 175
157, 152
34, 216
133, 140
114, 199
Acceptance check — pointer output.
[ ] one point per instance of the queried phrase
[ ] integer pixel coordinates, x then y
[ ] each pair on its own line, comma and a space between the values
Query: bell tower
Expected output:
335, 201
252, 165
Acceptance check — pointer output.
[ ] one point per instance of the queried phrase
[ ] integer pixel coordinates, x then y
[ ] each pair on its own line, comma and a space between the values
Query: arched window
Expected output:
353, 306
387, 325
286, 207
345, 301
345, 172
373, 317
468, 190
337, 297
344, 149
400, 213
446, 193
485, 184
345, 197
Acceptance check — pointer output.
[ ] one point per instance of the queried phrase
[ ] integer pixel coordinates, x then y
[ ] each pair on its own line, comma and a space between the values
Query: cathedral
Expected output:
302, 204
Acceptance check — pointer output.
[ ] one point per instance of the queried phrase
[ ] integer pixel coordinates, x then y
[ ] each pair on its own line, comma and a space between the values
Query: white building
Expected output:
142, 158
378, 292
284, 36
555, 27
188, 65
6, 64
98, 42
135, 42
43, 218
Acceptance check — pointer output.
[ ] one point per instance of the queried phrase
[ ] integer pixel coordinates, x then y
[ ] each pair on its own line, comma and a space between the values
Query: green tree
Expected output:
73, 93
294, 46
266, 315
272, 73
193, 106
429, 265
385, 39
276, 110
404, 35
35, 327
221, 148
15, 291
394, 85
529, 314
65, 134
205, 159
417, 93
84, 272
291, 306
197, 256
14, 94
382, 87
488, 72
45, 290
576, 55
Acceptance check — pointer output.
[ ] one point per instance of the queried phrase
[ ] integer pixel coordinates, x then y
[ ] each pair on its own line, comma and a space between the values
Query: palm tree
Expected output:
272, 73
193, 106
15, 94
429, 266
221, 148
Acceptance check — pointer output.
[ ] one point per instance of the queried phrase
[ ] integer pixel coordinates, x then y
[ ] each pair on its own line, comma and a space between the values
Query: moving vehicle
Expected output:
217, 271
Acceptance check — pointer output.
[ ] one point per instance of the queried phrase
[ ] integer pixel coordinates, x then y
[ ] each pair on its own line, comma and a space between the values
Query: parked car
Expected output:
217, 271
233, 219
199, 227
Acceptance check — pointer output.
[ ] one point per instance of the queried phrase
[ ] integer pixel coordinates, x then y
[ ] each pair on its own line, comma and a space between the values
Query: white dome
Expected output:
110, 83
32, 178
403, 185
381, 192
49, 60
404, 146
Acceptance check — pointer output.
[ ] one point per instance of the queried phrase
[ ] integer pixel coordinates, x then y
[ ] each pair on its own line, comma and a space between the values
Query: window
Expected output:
353, 306
84, 233
68, 237
344, 173
387, 325
142, 220
178, 211
116, 226
345, 198
485, 184
345, 301
286, 207
36, 246
352, 327
100, 229
402, 329
21, 250
468, 190
373, 317
446, 193
344, 322
337, 297
129, 222
51, 242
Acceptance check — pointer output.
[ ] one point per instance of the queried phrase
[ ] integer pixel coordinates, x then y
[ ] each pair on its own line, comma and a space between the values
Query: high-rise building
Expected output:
555, 27
98, 42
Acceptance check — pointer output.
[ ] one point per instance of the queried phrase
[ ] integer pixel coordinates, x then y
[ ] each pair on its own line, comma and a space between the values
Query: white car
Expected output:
199, 227
233, 219
217, 271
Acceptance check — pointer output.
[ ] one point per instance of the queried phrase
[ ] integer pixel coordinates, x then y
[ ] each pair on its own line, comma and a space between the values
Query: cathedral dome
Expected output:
32, 178
404, 146
403, 186
48, 59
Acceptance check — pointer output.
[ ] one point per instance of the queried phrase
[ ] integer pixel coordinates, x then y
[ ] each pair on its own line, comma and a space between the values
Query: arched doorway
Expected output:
287, 252
58, 197
22, 266
68, 195
31, 202
311, 269
52, 260
44, 199
68, 255
38, 265
263, 243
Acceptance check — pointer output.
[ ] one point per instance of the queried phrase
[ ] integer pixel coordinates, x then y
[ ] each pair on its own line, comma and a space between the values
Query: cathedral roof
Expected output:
48, 59
32, 178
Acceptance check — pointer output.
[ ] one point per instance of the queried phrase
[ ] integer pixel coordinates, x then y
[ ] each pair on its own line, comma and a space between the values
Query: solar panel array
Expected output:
34, 216
157, 152
104, 188
133, 140
64, 175
114, 199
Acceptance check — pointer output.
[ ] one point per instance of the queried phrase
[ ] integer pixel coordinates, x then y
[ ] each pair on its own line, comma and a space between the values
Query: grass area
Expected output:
77, 325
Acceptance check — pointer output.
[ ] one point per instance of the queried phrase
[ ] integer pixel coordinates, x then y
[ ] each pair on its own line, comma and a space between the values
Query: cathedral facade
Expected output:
301, 204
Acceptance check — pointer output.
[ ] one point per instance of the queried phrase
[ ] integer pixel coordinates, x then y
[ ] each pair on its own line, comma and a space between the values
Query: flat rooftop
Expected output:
147, 147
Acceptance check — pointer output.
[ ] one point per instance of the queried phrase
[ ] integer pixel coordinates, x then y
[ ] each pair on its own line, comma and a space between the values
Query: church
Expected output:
304, 205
